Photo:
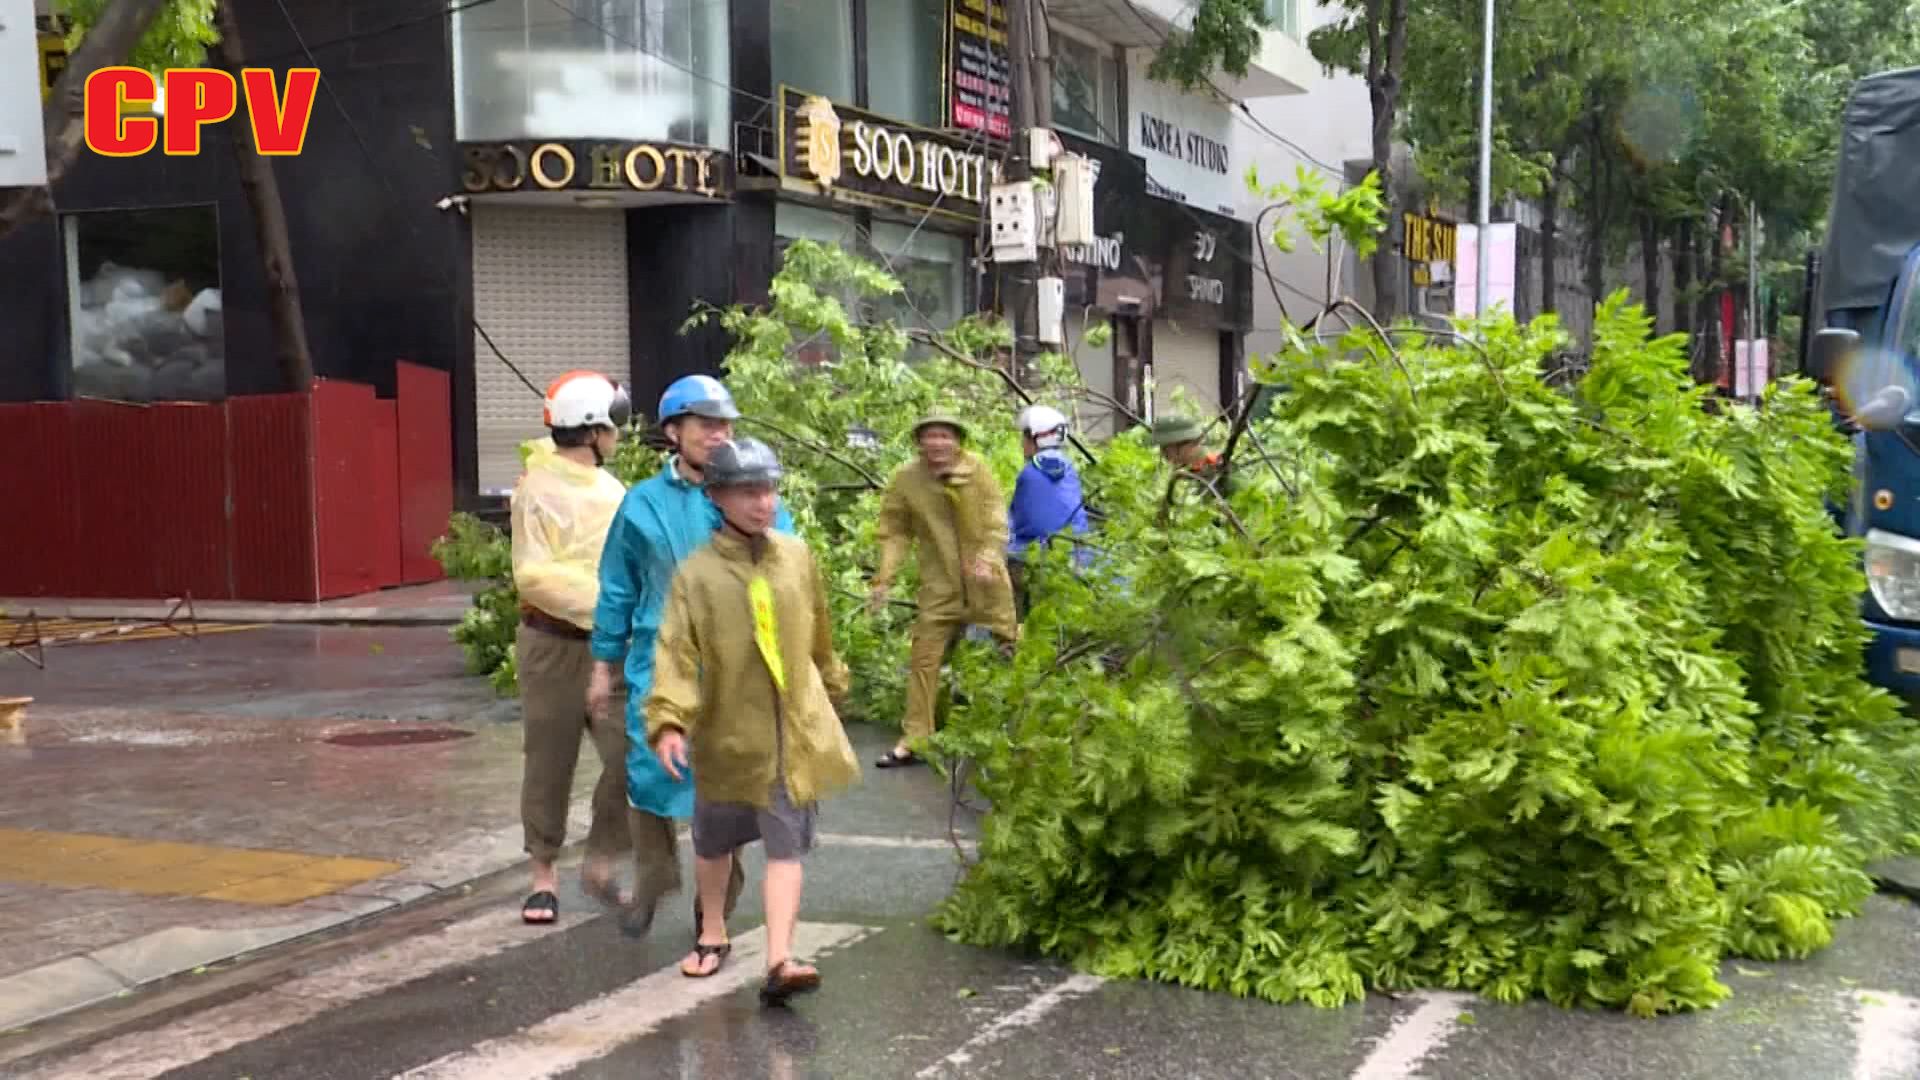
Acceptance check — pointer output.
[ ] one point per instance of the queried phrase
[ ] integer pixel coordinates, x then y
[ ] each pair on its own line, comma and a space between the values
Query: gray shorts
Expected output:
719, 829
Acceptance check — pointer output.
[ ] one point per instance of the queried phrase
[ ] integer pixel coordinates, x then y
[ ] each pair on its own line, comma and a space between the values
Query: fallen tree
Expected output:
1487, 685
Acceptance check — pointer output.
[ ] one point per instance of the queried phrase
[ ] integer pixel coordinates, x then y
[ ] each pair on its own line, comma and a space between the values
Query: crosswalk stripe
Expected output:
600, 1026
1023, 1017
1398, 1054
1886, 1037
147, 1054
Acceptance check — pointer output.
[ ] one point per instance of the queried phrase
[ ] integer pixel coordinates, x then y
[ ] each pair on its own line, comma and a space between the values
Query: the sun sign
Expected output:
197, 97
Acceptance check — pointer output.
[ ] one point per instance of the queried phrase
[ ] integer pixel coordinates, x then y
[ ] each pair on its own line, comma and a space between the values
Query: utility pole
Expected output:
1032, 107
1485, 214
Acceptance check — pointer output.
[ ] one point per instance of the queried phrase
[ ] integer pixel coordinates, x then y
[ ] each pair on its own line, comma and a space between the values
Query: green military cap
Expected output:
1173, 430
941, 418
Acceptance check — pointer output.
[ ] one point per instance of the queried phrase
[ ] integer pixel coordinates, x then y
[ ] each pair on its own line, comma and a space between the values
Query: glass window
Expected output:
1284, 17
585, 69
792, 221
144, 300
932, 268
1086, 89
906, 46
813, 46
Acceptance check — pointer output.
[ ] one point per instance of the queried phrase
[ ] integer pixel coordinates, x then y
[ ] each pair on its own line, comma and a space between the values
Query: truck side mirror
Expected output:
1885, 410
1830, 346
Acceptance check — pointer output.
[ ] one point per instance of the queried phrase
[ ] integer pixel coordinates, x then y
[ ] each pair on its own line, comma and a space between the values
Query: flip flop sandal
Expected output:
542, 901
785, 982
701, 952
898, 759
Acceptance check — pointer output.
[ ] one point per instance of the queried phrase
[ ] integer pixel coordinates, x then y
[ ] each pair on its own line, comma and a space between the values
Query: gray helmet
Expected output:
743, 461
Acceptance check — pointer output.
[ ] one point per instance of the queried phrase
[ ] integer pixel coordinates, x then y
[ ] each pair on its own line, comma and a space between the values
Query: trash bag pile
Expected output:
139, 336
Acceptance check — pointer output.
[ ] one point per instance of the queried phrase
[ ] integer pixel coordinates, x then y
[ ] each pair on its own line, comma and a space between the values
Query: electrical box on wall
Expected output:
1073, 194
1012, 212
1042, 147
1051, 301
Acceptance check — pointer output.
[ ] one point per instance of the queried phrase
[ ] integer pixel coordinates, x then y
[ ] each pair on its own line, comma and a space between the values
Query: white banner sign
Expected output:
23, 151
1466, 268
1187, 142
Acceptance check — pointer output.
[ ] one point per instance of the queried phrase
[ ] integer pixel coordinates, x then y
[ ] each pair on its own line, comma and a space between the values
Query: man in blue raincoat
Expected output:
660, 522
1046, 497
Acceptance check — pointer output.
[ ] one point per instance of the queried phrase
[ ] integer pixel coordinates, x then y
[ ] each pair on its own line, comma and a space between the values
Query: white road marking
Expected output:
597, 1028
1398, 1054
147, 1054
1024, 1016
1886, 1037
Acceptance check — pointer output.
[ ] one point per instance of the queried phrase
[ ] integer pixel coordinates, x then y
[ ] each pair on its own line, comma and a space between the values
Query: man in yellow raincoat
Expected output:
562, 508
946, 507
745, 675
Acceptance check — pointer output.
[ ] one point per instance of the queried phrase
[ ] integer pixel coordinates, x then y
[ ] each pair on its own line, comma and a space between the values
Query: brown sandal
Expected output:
786, 980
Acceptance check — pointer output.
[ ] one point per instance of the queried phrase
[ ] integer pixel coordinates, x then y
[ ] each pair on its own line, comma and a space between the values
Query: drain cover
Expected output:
399, 737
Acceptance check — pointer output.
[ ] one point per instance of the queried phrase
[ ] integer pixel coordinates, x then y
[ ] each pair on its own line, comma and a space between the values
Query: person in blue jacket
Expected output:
1046, 495
661, 521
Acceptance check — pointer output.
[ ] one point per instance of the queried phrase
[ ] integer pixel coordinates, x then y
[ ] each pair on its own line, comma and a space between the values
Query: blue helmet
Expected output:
697, 395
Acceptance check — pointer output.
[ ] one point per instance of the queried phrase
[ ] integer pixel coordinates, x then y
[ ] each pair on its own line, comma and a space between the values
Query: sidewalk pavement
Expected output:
437, 603
171, 803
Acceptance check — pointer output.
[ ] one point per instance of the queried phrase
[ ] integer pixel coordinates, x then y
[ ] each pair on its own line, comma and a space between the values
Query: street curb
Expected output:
39, 994
225, 612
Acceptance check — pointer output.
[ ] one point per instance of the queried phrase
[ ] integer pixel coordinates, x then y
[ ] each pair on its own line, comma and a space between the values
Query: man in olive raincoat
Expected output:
661, 522
946, 507
745, 675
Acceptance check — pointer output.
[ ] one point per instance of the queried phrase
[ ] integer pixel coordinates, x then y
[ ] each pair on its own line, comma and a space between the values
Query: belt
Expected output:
547, 624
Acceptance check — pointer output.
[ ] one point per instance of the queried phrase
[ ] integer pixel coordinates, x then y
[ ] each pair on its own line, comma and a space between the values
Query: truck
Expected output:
1861, 342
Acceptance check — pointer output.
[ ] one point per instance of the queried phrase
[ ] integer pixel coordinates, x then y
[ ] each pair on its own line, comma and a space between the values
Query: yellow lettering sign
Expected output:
542, 175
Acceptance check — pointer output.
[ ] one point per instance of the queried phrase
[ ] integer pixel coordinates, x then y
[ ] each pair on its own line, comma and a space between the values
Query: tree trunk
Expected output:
1386, 24
1550, 242
262, 190
1683, 276
1650, 264
108, 42
1596, 224
1710, 296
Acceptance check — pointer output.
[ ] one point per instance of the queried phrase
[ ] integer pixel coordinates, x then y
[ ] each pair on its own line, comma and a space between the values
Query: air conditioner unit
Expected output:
1012, 213
1073, 188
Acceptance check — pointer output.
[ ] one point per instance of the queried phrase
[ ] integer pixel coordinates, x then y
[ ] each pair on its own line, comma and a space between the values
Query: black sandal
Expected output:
898, 759
782, 987
701, 952
541, 901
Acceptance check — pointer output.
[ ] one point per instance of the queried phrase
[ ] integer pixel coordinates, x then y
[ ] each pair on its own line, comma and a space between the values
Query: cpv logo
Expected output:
196, 97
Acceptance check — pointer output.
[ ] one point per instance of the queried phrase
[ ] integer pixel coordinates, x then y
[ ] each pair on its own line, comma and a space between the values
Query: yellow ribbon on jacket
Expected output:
766, 631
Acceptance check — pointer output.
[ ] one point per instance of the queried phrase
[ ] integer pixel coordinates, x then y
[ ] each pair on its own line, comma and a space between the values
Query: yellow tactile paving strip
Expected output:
160, 868
94, 631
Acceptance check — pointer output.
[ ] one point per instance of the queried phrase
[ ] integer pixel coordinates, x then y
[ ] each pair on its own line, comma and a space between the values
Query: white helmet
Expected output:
587, 399
1046, 425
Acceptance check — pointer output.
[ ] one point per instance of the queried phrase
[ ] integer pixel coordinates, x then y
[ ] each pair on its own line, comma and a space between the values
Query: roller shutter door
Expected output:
550, 287
1187, 359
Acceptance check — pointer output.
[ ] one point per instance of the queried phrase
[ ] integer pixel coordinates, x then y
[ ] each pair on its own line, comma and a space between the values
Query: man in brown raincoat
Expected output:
948, 509
744, 680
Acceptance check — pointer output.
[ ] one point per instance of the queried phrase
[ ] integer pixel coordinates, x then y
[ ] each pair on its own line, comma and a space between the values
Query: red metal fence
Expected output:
307, 497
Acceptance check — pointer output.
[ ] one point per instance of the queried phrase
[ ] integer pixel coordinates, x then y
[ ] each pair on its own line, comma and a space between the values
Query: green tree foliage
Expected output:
1487, 685
178, 37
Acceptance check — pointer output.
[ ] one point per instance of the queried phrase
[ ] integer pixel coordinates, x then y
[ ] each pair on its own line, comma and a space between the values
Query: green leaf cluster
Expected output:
1482, 684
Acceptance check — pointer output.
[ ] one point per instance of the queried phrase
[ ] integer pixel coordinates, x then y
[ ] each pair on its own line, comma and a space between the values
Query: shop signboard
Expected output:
604, 166
845, 153
1186, 142
1170, 260
979, 74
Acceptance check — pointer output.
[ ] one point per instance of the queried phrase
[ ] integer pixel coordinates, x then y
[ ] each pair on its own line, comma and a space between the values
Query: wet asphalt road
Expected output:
458, 988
